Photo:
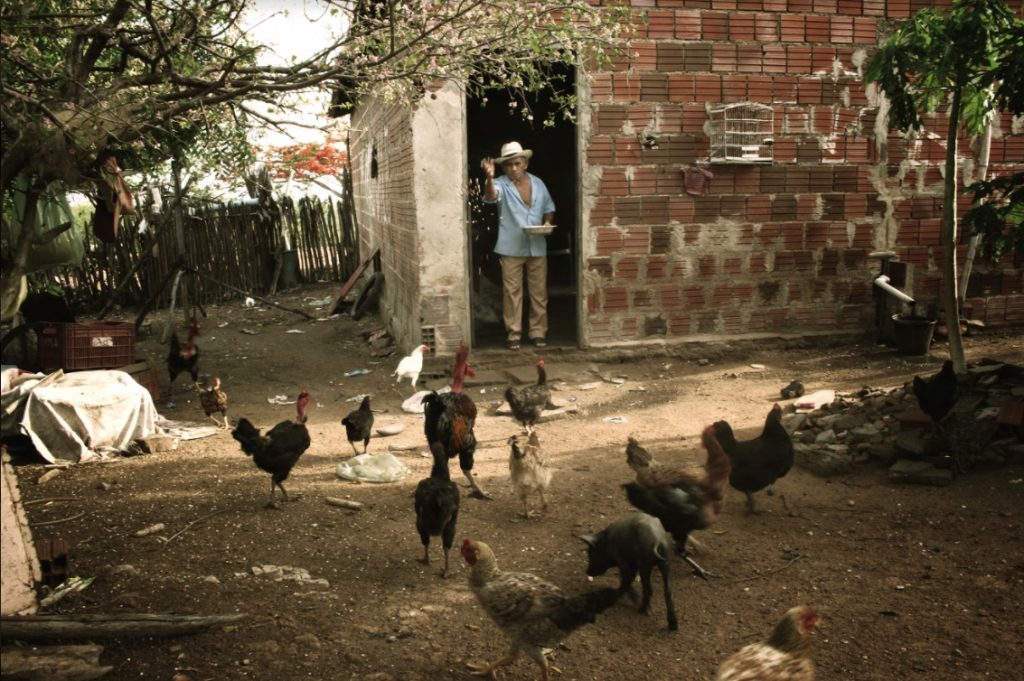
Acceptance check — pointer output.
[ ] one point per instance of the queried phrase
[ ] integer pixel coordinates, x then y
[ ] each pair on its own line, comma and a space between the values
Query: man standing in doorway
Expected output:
523, 200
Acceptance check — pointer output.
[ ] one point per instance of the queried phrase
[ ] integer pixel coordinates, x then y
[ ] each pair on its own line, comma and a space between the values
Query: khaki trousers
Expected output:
512, 289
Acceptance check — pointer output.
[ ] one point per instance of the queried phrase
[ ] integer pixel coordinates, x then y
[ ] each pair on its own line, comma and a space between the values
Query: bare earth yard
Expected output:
913, 582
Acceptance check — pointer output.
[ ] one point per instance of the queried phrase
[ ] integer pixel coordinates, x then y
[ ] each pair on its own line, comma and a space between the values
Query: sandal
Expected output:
513, 345
540, 343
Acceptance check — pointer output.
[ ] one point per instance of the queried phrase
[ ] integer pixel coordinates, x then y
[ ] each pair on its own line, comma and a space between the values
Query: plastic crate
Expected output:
75, 347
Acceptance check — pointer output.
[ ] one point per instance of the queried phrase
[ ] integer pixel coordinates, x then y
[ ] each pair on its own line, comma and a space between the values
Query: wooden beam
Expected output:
68, 627
52, 663
347, 286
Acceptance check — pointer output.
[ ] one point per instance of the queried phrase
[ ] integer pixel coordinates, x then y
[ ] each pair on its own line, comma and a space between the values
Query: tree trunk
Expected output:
65, 627
950, 297
52, 663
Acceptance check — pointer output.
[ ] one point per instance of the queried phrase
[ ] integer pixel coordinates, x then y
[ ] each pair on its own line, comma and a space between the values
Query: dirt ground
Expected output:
912, 582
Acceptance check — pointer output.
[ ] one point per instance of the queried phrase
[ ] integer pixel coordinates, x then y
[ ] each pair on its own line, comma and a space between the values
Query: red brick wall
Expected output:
770, 248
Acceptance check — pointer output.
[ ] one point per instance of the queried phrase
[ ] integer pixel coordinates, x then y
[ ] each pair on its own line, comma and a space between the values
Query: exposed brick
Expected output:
627, 269
600, 151
734, 88
785, 89
809, 91
741, 27
798, 179
824, 6
688, 25
707, 265
694, 117
773, 179
723, 57
670, 298
865, 30
694, 299
698, 57
661, 240
603, 211
709, 88
798, 59
792, 235
748, 58
774, 58
715, 26
661, 23
820, 179
601, 266
626, 87
732, 206
600, 87
609, 242
628, 210
654, 87
850, 7
766, 27
723, 183
608, 118
808, 151
834, 206
750, 5
783, 208
670, 57
792, 28
747, 179
816, 234
614, 182
784, 150
874, 8
655, 211
681, 88
897, 9
706, 208
644, 55
817, 29
759, 208
841, 29
681, 209
844, 179
642, 299
616, 298
806, 206
657, 267
627, 150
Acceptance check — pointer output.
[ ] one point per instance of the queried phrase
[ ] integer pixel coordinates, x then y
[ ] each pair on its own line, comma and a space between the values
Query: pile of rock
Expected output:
886, 425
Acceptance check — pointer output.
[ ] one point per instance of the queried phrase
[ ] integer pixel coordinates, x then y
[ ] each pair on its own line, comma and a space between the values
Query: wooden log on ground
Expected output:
69, 627
52, 663
344, 503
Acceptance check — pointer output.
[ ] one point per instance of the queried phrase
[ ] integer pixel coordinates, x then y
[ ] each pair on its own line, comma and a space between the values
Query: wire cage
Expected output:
742, 133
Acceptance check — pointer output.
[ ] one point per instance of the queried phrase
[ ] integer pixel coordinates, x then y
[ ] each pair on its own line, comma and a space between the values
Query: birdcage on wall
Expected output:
742, 133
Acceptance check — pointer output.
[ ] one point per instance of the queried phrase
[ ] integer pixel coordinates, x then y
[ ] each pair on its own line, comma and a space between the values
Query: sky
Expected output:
294, 29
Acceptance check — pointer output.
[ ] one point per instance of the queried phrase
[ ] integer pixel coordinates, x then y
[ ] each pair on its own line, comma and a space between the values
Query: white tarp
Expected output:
78, 416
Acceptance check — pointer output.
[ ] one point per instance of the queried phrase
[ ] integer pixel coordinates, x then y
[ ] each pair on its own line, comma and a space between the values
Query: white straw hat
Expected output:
511, 150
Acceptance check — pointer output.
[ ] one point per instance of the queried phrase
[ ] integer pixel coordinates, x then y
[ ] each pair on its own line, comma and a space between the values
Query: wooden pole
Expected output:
66, 627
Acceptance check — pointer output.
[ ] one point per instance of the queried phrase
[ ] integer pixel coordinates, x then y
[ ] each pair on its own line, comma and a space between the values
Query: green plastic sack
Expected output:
53, 209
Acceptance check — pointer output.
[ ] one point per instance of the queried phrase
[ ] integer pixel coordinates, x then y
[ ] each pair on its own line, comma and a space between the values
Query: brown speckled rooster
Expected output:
215, 400
533, 612
785, 656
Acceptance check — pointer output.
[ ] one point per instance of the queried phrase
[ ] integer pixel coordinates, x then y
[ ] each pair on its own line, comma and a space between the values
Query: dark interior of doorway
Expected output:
492, 121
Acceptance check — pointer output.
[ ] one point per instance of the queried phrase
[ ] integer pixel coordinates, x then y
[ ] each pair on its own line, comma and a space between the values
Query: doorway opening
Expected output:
491, 121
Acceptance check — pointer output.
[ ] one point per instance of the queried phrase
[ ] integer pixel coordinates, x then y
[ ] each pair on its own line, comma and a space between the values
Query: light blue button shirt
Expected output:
513, 215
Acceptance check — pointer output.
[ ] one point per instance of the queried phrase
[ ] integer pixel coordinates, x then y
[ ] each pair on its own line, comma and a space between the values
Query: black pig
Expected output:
634, 544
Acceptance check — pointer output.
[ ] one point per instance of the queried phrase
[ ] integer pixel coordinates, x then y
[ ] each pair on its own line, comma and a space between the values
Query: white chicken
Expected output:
411, 366
528, 472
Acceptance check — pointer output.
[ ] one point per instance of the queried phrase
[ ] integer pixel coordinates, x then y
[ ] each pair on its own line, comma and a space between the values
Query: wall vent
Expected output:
428, 337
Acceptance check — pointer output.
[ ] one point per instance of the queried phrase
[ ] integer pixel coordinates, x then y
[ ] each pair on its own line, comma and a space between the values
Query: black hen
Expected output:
759, 462
278, 450
448, 419
183, 357
528, 402
359, 425
937, 395
437, 507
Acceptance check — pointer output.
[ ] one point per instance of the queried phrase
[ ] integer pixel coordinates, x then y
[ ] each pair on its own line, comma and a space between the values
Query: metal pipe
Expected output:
882, 282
